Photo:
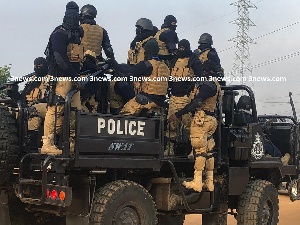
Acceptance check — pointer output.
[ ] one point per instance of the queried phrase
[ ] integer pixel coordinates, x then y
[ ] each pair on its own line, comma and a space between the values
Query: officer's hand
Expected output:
32, 111
78, 85
110, 61
173, 118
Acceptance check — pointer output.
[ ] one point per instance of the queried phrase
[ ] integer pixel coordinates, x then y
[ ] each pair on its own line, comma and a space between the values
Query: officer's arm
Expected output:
59, 46
109, 52
213, 56
143, 68
124, 89
196, 65
208, 89
171, 39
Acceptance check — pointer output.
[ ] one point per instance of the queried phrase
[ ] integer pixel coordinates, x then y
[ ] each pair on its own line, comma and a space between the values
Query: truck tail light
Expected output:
62, 195
47, 193
54, 194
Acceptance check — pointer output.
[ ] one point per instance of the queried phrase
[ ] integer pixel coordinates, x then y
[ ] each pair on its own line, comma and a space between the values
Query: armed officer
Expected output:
60, 67
144, 32
95, 37
205, 52
203, 125
186, 67
154, 75
167, 39
35, 93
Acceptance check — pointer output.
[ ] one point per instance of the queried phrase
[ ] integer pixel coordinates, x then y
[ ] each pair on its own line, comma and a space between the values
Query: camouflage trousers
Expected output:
176, 104
202, 128
62, 89
35, 120
134, 108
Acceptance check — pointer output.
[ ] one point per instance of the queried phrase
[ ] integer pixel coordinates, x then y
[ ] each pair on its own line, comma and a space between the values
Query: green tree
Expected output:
4, 76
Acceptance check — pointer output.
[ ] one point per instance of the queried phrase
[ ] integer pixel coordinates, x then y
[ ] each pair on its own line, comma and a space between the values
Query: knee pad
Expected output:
210, 162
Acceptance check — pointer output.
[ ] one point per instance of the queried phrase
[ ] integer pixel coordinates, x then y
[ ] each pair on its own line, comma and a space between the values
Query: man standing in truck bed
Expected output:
203, 126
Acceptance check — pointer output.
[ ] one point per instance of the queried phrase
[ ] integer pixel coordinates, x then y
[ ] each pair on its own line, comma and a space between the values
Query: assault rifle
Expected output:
12, 89
19, 80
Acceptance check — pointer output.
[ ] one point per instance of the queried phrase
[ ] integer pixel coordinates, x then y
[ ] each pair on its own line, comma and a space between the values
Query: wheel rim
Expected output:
267, 213
126, 216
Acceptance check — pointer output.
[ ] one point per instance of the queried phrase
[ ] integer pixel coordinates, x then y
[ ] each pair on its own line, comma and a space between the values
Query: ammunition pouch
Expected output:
142, 99
54, 99
32, 112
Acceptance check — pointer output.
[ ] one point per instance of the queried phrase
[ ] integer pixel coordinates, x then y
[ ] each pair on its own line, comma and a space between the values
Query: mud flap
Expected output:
4, 210
294, 190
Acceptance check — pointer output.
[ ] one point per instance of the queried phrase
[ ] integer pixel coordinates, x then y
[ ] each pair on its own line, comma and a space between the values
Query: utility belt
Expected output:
179, 94
209, 113
54, 99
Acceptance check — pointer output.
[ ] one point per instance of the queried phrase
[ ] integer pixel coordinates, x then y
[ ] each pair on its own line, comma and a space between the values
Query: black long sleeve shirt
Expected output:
59, 43
206, 90
142, 69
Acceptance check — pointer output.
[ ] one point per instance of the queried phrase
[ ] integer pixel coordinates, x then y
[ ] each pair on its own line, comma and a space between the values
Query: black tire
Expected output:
9, 151
171, 219
123, 202
259, 204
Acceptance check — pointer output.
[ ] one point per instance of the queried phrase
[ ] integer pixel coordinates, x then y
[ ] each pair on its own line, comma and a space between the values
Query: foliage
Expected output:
4, 76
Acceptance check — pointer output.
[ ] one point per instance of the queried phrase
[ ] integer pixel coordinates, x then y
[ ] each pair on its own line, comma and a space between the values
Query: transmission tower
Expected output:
242, 63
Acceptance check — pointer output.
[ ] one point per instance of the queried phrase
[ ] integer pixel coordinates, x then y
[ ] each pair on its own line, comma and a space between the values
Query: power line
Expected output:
272, 61
212, 20
209, 21
275, 31
267, 34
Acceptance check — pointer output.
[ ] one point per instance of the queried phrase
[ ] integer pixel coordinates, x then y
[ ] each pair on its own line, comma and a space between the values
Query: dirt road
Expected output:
289, 214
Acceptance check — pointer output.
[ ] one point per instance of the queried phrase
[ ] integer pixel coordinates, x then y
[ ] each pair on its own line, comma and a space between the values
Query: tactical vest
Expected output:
203, 55
209, 104
92, 38
158, 80
162, 45
116, 101
181, 69
137, 54
37, 93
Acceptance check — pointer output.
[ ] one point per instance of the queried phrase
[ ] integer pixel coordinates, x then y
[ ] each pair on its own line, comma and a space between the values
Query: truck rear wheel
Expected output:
171, 219
9, 151
259, 204
123, 202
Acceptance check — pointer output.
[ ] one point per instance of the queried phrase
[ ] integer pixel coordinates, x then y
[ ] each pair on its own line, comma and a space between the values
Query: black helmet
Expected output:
145, 23
205, 38
88, 10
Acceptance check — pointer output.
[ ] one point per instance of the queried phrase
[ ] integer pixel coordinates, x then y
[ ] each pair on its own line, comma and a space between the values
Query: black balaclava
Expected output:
204, 46
170, 22
71, 23
184, 49
151, 49
40, 67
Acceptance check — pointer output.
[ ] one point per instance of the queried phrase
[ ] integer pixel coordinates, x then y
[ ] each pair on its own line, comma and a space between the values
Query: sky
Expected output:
26, 26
